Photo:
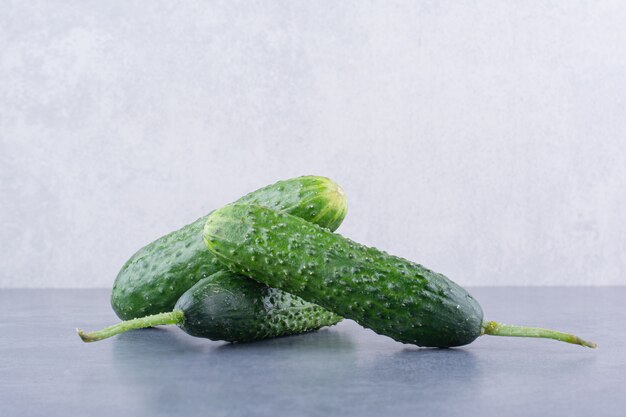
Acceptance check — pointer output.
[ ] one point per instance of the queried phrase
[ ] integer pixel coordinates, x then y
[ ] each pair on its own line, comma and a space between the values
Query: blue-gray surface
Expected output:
345, 370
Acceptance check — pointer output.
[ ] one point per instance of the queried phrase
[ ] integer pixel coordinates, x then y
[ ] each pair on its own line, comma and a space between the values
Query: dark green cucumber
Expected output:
231, 307
387, 294
157, 275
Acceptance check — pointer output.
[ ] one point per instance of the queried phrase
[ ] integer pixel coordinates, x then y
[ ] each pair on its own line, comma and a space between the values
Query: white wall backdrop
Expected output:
484, 139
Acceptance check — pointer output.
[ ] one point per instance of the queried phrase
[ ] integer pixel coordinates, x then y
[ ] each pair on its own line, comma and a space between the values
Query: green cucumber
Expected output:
390, 295
231, 307
155, 277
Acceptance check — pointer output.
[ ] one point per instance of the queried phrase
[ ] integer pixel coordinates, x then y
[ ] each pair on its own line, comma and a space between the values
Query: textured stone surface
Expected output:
344, 370
483, 139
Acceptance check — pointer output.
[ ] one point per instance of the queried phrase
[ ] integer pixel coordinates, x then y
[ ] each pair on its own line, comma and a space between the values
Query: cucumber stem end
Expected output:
498, 329
172, 317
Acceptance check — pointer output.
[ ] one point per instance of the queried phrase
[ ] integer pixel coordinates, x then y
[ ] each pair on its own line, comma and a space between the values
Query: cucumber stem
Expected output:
172, 317
498, 329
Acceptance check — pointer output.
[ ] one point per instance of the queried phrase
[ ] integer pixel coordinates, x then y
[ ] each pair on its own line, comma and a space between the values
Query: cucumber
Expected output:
155, 277
231, 307
388, 294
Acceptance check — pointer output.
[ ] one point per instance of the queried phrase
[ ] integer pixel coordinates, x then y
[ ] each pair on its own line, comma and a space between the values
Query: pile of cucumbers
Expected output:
271, 265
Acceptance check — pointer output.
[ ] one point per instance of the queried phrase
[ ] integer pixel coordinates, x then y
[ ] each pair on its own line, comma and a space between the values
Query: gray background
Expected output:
484, 139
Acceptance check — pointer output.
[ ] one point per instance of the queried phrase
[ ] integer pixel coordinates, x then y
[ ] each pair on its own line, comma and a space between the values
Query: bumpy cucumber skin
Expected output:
155, 277
234, 308
387, 294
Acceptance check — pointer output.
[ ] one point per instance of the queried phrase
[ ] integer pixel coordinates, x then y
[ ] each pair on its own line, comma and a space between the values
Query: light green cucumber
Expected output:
153, 279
